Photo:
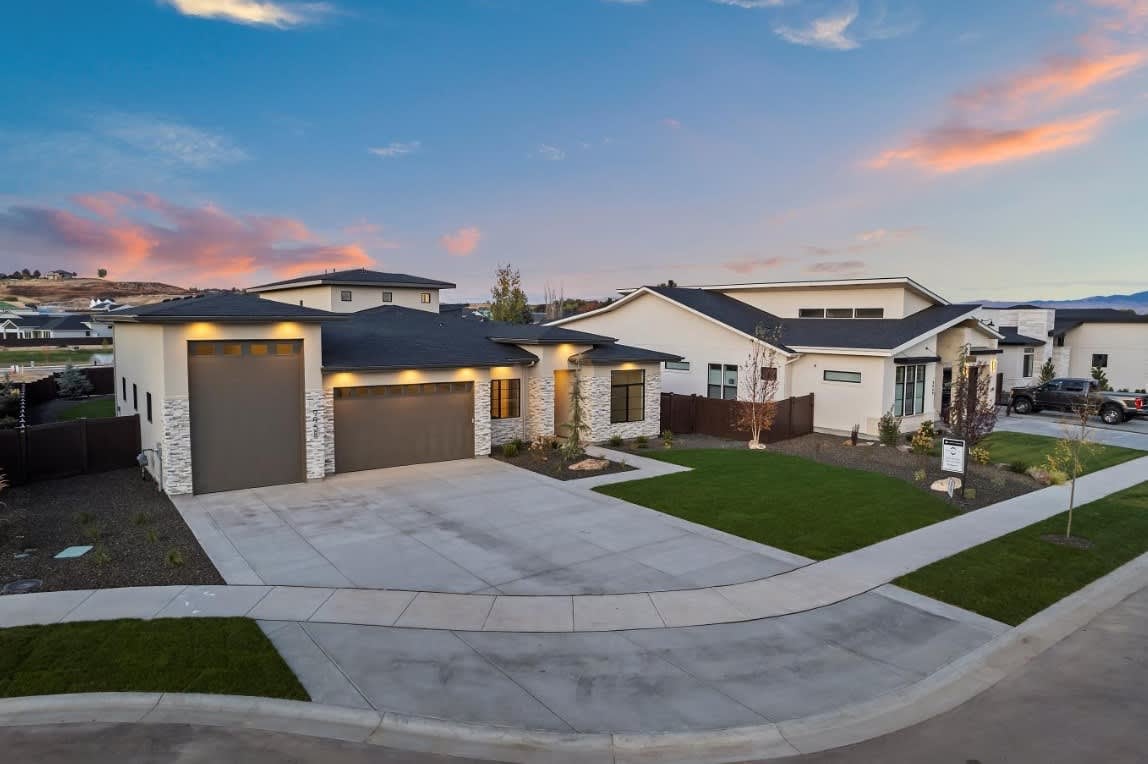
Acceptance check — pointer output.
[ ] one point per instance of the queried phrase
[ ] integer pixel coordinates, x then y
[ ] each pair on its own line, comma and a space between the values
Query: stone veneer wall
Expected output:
315, 436
596, 389
329, 432
482, 418
176, 447
539, 406
505, 430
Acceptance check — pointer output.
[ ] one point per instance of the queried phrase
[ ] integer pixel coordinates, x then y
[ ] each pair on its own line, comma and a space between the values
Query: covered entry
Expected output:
392, 425
246, 401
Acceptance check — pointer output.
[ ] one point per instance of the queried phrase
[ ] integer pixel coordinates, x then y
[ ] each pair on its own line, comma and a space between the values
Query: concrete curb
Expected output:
936, 694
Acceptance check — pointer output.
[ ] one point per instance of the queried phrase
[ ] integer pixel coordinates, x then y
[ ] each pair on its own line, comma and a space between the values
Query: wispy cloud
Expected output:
550, 153
149, 237
948, 149
671, 123
750, 3
864, 241
396, 149
170, 140
1123, 15
831, 32
281, 15
748, 265
462, 242
839, 267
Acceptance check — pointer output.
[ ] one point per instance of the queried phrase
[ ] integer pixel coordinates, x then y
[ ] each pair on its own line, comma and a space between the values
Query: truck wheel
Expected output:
1022, 406
1111, 415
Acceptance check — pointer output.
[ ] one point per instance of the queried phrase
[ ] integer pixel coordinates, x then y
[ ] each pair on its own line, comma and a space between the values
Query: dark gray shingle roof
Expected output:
59, 322
229, 306
358, 276
1070, 318
541, 334
1012, 336
615, 353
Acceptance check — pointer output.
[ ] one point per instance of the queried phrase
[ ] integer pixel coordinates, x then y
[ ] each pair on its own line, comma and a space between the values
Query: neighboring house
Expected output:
59, 275
1076, 339
355, 290
103, 303
46, 326
238, 390
862, 346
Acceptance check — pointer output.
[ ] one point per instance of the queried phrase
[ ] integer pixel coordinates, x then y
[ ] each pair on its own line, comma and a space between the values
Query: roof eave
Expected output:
340, 282
336, 368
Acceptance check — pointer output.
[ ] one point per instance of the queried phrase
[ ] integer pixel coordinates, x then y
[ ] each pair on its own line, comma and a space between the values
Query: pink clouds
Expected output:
461, 242
142, 236
839, 267
748, 265
1056, 79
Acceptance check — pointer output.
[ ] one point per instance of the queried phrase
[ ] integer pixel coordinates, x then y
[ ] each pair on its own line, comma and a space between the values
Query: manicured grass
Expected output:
811, 509
55, 356
1031, 450
94, 409
1016, 576
211, 655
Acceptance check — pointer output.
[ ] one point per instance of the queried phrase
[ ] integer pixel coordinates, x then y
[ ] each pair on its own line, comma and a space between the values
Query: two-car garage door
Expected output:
394, 425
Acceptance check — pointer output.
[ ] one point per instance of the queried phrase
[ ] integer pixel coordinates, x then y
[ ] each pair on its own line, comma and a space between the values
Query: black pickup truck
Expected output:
1066, 393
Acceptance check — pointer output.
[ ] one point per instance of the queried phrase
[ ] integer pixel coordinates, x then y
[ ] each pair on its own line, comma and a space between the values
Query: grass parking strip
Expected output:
1031, 450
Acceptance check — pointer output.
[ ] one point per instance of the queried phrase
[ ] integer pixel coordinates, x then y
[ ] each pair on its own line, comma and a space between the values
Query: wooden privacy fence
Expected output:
61, 449
685, 414
103, 379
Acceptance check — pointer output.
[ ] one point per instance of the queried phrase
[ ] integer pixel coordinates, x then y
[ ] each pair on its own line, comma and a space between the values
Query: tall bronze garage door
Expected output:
246, 402
393, 425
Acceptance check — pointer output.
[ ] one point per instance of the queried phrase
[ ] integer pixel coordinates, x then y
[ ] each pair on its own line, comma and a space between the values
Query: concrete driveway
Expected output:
472, 526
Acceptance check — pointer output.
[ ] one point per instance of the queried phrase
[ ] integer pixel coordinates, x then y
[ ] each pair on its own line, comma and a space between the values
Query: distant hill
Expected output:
74, 294
1137, 302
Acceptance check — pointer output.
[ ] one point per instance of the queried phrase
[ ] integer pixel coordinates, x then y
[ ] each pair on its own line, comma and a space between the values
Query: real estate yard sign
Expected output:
953, 456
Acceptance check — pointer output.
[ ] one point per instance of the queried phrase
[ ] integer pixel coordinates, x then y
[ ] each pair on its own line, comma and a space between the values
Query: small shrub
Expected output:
615, 441
642, 441
100, 556
980, 454
152, 536
970, 493
91, 533
141, 518
174, 558
543, 445
83, 518
1018, 466
923, 439
889, 429
998, 481
1057, 477
668, 438
519, 443
919, 476
73, 383
509, 450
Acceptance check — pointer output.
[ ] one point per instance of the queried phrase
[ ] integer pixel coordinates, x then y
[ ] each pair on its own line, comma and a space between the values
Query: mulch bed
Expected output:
137, 535
1072, 542
552, 464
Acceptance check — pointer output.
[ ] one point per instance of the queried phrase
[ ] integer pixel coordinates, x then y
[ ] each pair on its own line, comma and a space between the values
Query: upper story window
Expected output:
841, 313
811, 313
678, 365
345, 295
868, 313
424, 298
388, 296
1027, 362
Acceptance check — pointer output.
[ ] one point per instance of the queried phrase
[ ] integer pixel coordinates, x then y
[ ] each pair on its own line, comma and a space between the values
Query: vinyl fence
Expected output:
62, 449
103, 379
685, 414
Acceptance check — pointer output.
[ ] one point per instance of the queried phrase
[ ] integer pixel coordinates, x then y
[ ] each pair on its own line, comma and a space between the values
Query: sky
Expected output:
987, 148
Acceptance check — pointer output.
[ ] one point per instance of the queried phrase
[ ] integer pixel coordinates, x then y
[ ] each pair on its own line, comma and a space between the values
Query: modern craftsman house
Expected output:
862, 346
288, 383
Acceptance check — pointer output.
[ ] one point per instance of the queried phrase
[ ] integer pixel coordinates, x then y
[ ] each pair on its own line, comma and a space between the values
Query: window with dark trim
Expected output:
388, 296
869, 313
909, 390
841, 376
678, 365
839, 312
1060, 340
345, 295
768, 373
505, 397
811, 313
424, 298
1027, 362
722, 382
124, 384
1100, 360
627, 396
147, 400
135, 397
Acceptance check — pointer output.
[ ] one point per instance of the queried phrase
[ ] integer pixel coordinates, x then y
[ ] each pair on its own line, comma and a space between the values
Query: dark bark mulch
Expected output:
1072, 542
992, 483
137, 535
552, 464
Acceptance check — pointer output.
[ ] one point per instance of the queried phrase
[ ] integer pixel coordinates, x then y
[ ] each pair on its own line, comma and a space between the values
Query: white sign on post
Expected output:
953, 455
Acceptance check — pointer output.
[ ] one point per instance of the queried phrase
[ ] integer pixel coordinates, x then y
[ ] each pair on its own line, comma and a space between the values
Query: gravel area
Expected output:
137, 535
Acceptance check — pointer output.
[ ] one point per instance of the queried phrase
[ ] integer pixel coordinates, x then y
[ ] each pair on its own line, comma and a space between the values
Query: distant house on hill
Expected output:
60, 275
47, 326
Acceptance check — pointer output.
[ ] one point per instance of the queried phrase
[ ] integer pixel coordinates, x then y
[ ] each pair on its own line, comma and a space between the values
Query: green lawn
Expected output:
1009, 447
55, 356
212, 655
1016, 576
811, 509
93, 409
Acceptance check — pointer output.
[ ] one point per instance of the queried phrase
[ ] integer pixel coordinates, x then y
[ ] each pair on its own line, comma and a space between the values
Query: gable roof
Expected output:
224, 306
355, 277
615, 353
57, 322
1012, 336
542, 334
904, 281
1070, 318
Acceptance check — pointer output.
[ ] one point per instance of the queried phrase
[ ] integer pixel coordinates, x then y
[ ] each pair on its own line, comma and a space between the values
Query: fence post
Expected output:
84, 444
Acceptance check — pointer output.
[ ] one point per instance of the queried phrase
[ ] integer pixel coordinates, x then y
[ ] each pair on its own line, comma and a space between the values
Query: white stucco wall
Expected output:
138, 350
897, 301
837, 406
1125, 344
362, 297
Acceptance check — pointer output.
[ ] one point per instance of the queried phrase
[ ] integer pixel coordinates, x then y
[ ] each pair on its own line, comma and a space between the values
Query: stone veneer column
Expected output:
539, 406
176, 446
315, 420
505, 430
597, 391
482, 418
328, 432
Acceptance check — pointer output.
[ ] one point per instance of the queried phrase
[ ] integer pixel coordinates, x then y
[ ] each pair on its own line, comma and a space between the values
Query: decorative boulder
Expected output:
942, 485
590, 465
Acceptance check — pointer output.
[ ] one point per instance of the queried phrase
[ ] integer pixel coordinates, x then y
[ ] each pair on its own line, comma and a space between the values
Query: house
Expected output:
27, 325
862, 346
59, 275
1077, 340
239, 390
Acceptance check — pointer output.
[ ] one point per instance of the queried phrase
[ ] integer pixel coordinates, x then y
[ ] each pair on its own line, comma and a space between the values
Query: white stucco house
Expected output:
861, 346
1076, 339
356, 370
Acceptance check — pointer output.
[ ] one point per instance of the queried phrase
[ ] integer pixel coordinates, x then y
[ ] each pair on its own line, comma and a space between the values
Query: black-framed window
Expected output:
869, 313
1027, 362
1100, 360
424, 298
909, 391
147, 400
678, 365
722, 381
1060, 340
388, 296
345, 295
839, 312
627, 396
505, 398
124, 385
135, 397
841, 376
811, 313
768, 373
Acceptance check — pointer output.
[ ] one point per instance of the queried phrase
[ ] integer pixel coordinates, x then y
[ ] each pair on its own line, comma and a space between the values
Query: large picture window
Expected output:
627, 396
722, 382
909, 393
504, 398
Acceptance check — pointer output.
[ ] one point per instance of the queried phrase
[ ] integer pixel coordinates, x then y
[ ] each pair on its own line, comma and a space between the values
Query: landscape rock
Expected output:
942, 485
590, 465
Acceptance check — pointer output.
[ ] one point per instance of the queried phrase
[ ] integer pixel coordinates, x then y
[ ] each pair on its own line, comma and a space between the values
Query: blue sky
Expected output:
985, 151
